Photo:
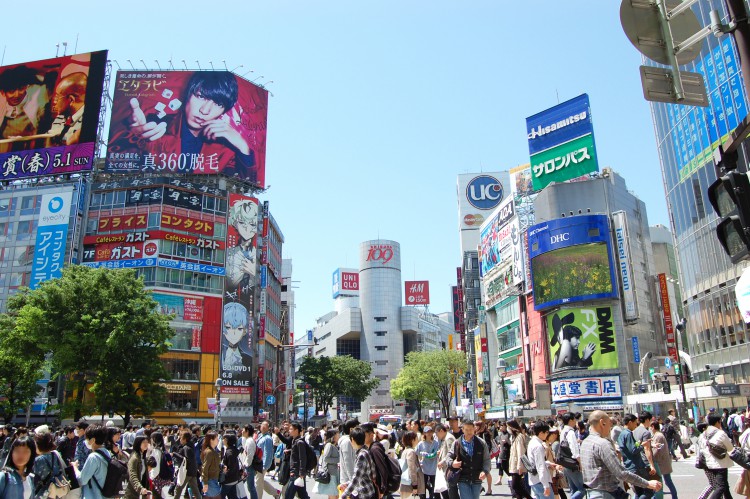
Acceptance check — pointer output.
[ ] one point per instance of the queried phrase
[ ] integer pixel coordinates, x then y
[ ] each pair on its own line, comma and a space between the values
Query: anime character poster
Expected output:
49, 113
582, 338
200, 122
238, 324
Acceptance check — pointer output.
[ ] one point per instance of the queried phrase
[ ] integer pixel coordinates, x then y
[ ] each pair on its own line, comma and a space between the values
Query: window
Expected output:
380, 319
23, 255
183, 338
182, 369
380, 348
182, 401
7, 207
27, 205
381, 333
25, 229
381, 362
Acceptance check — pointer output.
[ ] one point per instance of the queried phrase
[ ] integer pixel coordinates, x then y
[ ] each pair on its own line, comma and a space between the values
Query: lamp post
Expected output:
217, 416
502, 369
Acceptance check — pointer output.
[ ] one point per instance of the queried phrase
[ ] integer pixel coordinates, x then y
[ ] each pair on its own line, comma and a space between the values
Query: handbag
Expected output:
441, 484
739, 456
716, 450
743, 484
59, 486
322, 476
284, 472
181, 473
700, 461
529, 465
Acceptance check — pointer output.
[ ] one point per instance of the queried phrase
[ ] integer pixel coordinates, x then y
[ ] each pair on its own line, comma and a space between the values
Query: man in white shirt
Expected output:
541, 481
348, 455
574, 477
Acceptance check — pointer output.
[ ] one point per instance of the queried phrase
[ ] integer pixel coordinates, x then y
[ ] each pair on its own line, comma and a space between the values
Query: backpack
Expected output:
564, 455
670, 432
257, 462
394, 475
388, 477
312, 459
166, 466
116, 473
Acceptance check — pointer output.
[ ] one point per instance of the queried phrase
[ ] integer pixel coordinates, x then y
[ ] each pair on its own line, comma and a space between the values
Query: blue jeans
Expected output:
468, 490
575, 481
670, 485
251, 483
538, 490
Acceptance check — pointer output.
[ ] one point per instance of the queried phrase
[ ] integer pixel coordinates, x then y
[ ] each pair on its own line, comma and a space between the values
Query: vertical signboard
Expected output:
238, 323
501, 253
51, 237
666, 311
629, 300
561, 142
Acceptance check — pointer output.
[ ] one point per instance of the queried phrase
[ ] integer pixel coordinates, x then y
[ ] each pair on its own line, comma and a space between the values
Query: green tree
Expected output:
21, 365
101, 328
431, 376
330, 377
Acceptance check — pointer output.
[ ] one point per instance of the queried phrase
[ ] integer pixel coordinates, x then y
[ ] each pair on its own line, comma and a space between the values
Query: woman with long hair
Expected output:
412, 478
329, 460
211, 468
15, 479
551, 444
112, 444
231, 465
662, 456
516, 469
158, 449
137, 483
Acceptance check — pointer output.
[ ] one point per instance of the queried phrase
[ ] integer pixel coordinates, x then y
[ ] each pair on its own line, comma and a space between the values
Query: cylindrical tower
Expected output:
382, 342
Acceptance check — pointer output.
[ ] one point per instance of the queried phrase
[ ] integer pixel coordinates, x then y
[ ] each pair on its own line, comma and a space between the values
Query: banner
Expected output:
417, 292
629, 300
195, 122
591, 388
49, 111
582, 338
345, 282
51, 238
666, 313
238, 324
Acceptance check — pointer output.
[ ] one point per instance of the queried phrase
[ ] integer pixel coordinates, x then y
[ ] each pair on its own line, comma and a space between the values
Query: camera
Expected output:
713, 367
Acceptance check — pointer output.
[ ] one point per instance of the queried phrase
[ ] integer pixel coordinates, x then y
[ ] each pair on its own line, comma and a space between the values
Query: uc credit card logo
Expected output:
484, 192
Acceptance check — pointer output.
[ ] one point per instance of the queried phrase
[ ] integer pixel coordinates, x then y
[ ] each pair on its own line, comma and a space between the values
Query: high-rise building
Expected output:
686, 137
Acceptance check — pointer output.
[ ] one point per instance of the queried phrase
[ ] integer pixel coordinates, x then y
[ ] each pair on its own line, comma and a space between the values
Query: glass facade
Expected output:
686, 137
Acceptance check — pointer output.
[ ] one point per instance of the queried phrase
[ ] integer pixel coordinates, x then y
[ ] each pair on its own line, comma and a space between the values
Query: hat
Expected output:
426, 429
554, 429
382, 428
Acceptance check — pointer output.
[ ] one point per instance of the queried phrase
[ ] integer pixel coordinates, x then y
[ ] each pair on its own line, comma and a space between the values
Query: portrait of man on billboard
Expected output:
241, 257
24, 102
236, 340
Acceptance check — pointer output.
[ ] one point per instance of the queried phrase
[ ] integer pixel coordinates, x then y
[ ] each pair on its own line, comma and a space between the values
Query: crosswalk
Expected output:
686, 468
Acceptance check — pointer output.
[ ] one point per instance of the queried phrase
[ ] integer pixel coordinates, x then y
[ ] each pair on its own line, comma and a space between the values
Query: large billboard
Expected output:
200, 122
51, 237
478, 196
238, 325
666, 314
345, 282
417, 292
501, 261
49, 112
561, 142
571, 260
625, 267
582, 338
587, 389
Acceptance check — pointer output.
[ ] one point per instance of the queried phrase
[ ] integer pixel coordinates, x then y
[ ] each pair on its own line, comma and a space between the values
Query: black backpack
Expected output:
116, 473
394, 475
166, 466
311, 462
564, 455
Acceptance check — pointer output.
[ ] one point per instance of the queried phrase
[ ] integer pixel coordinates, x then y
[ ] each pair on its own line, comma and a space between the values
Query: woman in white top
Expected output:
717, 469
157, 451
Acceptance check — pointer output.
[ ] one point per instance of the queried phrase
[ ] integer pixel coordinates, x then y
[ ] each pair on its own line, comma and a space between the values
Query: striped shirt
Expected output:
602, 469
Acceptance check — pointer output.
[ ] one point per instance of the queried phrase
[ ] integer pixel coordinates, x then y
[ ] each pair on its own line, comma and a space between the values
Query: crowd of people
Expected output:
564, 457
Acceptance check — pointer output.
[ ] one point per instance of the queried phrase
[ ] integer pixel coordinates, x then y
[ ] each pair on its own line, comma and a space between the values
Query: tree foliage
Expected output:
21, 365
330, 377
429, 376
100, 327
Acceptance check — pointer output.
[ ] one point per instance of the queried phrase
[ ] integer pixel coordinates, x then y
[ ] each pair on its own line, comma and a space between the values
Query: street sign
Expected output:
636, 350
270, 400
658, 86
667, 362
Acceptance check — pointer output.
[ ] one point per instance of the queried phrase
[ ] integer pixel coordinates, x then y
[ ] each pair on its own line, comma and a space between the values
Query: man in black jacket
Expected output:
297, 464
66, 444
377, 452
187, 452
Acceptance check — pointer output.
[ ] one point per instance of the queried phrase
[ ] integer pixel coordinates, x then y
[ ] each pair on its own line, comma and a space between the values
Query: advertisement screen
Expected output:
49, 111
238, 325
582, 338
571, 260
200, 122
51, 238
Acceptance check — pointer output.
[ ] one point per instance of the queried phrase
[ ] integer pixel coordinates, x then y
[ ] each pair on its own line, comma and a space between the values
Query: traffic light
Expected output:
730, 197
665, 387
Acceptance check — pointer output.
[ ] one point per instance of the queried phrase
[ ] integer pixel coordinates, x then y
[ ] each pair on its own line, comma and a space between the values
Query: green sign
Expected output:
582, 338
676, 368
564, 162
651, 373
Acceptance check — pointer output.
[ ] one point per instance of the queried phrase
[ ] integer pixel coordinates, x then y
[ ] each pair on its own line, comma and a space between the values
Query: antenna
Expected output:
65, 48
238, 67
171, 65
212, 65
118, 64
131, 64
183, 62
144, 65
225, 64
199, 65
75, 49
157, 64
57, 49
2, 59
251, 71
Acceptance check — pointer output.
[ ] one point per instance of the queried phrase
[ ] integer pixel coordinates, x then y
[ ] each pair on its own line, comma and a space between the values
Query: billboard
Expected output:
521, 184
571, 260
666, 313
561, 142
199, 122
501, 260
478, 195
417, 292
238, 324
582, 338
51, 237
49, 112
586, 389
625, 268
345, 282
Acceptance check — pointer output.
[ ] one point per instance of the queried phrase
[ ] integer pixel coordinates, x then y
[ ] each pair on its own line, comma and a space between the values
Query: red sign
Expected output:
417, 292
269, 387
196, 343
667, 314
457, 310
484, 345
193, 309
123, 222
262, 327
350, 281
382, 253
260, 385
135, 237
180, 222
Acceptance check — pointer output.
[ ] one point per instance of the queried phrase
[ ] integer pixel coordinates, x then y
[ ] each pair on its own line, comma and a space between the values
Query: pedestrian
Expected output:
187, 451
632, 444
66, 444
82, 451
662, 456
297, 464
265, 444
515, 467
16, 478
539, 475
362, 484
48, 464
158, 450
427, 451
93, 474
347, 452
552, 443
446, 441
472, 457
601, 468
412, 477
211, 466
572, 476
329, 461
112, 445
230, 462
249, 447
503, 442
137, 480
714, 440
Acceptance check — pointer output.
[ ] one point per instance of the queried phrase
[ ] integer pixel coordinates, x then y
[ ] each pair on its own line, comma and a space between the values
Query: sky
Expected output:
377, 106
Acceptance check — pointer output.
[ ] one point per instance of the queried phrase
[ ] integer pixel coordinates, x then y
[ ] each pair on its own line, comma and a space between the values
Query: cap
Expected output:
554, 429
382, 428
426, 429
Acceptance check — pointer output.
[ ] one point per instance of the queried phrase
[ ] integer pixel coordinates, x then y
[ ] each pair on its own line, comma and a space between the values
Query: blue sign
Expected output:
193, 267
484, 192
123, 264
336, 283
571, 261
667, 362
309, 335
557, 125
263, 276
636, 350
51, 238
270, 400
